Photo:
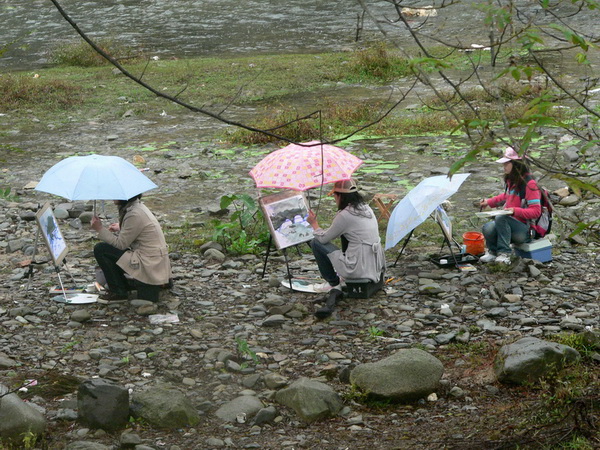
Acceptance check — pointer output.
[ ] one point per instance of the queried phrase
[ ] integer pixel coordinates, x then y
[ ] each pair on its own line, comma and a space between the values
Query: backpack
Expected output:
541, 226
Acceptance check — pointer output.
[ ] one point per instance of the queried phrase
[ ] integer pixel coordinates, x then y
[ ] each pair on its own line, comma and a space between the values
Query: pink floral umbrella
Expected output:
299, 168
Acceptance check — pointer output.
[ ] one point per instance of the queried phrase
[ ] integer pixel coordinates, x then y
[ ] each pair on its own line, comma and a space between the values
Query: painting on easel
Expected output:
286, 214
52, 235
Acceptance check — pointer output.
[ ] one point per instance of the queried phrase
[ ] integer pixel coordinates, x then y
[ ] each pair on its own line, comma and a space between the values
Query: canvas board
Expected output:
286, 214
55, 242
444, 221
494, 213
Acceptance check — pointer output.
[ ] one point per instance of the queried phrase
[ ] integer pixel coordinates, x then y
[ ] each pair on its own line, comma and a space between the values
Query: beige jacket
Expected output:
147, 255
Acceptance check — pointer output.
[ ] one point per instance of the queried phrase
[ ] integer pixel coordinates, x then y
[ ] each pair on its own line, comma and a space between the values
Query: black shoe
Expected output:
335, 295
114, 297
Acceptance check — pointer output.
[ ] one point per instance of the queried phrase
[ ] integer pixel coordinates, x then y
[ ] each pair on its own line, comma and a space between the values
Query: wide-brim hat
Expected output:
509, 155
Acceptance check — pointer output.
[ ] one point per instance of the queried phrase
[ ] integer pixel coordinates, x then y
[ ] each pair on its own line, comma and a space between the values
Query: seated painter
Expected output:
136, 246
361, 255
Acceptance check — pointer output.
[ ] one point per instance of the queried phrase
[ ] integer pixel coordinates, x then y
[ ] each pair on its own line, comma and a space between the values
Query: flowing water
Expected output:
178, 27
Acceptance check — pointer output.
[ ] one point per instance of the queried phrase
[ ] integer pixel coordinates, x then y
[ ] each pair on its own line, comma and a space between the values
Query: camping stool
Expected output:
362, 287
384, 203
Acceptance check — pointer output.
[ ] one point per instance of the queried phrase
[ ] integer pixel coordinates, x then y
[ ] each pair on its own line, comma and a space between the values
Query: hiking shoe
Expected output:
503, 258
324, 287
114, 297
488, 258
335, 295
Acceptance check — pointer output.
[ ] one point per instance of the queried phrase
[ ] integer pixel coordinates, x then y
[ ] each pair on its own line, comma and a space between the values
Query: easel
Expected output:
443, 221
58, 250
56, 268
284, 251
294, 201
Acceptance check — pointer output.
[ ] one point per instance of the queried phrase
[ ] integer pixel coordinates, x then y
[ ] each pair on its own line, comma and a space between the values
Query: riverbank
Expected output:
225, 306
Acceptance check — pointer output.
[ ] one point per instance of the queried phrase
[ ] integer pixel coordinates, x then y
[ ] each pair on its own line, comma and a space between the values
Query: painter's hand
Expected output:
96, 223
512, 210
114, 227
483, 203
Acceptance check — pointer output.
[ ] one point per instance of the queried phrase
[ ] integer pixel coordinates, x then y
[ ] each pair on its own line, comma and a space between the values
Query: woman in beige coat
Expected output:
136, 245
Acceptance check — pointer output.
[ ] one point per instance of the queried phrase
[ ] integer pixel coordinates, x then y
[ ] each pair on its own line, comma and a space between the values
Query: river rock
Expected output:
240, 409
103, 404
530, 358
164, 407
405, 376
18, 418
311, 400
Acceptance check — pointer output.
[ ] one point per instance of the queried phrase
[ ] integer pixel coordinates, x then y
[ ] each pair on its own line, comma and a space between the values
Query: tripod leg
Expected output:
267, 256
30, 272
403, 247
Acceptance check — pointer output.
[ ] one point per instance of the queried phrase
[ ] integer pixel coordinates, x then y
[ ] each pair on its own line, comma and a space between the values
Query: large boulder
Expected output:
405, 376
17, 418
530, 358
102, 404
311, 400
164, 407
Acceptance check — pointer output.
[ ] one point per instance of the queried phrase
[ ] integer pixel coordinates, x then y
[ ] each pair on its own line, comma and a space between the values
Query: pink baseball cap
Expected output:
509, 155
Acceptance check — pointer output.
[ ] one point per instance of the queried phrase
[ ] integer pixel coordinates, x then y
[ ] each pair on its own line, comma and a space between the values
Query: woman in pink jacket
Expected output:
522, 197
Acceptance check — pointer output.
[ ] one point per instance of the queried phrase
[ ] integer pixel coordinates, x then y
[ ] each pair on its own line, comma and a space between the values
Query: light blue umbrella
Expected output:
95, 177
418, 204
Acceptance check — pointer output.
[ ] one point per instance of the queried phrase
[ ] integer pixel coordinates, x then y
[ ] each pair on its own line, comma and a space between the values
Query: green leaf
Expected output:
578, 185
516, 74
469, 157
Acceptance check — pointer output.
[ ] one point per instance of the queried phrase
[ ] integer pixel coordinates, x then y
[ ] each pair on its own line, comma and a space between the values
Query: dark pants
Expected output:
107, 257
323, 262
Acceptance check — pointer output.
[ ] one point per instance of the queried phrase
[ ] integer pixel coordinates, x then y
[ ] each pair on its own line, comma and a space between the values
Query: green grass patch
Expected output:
27, 91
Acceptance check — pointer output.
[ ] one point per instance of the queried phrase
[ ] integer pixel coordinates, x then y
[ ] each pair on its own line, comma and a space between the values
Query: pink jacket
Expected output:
512, 199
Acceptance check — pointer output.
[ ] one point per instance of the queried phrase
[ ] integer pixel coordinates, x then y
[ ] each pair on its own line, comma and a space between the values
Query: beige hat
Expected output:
345, 186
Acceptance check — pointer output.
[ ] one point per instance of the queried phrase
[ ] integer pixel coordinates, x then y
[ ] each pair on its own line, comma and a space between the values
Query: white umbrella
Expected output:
418, 204
95, 177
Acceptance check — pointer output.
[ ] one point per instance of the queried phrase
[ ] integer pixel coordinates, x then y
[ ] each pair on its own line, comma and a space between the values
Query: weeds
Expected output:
244, 350
378, 63
81, 54
375, 331
295, 130
234, 235
6, 194
20, 91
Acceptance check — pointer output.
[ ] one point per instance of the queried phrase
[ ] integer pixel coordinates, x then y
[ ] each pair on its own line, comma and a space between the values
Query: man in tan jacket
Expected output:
136, 246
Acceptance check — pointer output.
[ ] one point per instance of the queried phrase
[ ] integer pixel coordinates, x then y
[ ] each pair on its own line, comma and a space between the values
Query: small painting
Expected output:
286, 215
444, 221
51, 232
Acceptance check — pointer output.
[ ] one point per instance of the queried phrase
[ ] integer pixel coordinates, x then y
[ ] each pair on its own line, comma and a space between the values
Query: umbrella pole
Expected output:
403, 246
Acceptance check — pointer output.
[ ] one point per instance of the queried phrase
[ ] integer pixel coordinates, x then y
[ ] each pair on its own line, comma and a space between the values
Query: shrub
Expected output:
377, 62
81, 54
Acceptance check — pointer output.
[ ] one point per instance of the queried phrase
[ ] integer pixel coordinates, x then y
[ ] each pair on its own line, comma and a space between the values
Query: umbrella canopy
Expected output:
301, 168
418, 204
94, 177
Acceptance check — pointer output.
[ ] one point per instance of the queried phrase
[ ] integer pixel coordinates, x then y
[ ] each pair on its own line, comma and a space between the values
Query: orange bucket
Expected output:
474, 242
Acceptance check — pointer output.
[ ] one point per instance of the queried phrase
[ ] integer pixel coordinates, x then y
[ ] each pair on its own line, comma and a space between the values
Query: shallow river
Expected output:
32, 28
179, 27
